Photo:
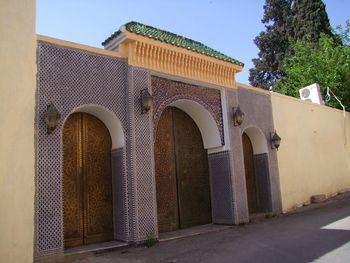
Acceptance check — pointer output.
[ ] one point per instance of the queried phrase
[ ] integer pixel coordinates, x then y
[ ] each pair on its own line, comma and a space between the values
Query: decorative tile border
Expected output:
166, 91
221, 187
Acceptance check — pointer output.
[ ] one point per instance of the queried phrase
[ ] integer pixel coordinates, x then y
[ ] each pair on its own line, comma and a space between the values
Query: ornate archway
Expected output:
111, 121
204, 120
87, 181
181, 171
256, 165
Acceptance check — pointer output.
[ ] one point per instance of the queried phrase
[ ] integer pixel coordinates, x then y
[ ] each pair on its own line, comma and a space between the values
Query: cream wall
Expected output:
17, 100
312, 158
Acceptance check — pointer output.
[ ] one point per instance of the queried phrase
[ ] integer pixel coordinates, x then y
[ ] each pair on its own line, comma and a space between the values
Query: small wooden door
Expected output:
250, 176
182, 174
87, 181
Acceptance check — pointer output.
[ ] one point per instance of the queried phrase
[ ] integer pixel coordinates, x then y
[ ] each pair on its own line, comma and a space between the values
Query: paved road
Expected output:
311, 234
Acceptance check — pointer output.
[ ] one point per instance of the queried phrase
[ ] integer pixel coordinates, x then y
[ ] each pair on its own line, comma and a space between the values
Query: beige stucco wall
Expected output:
312, 158
17, 100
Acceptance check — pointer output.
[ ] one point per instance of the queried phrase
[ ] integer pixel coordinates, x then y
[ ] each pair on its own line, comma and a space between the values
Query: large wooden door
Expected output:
250, 176
182, 174
165, 172
87, 181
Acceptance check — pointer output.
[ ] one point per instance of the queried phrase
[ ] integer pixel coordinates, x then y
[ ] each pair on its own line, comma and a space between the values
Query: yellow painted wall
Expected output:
17, 100
312, 158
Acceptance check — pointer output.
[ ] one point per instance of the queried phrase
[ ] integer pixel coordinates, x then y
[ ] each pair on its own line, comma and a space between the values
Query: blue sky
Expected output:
226, 25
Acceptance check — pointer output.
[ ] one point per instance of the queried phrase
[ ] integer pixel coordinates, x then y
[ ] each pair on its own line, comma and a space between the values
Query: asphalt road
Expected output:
310, 234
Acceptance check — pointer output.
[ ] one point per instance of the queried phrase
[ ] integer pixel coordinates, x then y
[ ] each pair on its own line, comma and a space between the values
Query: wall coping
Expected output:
279, 95
70, 44
323, 107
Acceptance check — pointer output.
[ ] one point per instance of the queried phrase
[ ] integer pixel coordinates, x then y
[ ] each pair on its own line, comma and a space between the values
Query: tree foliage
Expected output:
272, 43
285, 20
327, 63
310, 20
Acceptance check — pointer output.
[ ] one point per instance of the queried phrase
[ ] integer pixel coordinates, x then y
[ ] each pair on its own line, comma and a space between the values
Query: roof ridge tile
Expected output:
174, 39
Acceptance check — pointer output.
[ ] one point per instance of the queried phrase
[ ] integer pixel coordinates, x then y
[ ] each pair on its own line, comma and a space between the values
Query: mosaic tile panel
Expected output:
261, 164
166, 91
220, 180
143, 160
121, 224
69, 78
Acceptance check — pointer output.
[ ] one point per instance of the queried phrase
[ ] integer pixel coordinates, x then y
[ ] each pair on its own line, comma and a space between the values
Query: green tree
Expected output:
327, 63
272, 43
310, 20
285, 20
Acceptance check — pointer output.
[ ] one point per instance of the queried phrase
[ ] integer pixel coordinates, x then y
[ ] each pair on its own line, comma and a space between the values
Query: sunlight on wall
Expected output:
312, 158
17, 88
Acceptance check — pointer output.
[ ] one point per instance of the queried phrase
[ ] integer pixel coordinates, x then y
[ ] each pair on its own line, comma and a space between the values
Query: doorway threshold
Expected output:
258, 217
94, 249
192, 231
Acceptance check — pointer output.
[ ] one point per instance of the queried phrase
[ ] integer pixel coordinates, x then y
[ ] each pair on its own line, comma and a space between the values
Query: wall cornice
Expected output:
166, 58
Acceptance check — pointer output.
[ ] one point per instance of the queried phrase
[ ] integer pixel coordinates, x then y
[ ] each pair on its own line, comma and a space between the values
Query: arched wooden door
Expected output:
182, 174
250, 177
87, 181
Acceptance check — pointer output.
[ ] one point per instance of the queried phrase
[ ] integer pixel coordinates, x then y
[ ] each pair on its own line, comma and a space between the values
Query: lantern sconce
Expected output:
275, 140
238, 116
51, 117
146, 101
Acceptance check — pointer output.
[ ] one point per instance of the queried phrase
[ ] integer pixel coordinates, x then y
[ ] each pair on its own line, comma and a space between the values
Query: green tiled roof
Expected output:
174, 39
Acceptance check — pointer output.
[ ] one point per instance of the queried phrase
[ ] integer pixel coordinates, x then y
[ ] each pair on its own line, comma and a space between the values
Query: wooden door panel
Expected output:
87, 184
182, 174
250, 174
98, 205
192, 172
72, 182
164, 155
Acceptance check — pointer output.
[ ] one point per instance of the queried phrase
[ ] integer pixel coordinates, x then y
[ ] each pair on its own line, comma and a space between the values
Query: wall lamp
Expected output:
146, 101
275, 140
238, 116
51, 117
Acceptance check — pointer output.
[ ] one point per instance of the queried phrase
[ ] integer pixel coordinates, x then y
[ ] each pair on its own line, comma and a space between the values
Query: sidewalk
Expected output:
308, 234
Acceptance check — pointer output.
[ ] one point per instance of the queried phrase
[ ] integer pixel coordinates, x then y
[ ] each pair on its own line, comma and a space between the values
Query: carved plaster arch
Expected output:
257, 139
111, 121
204, 120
